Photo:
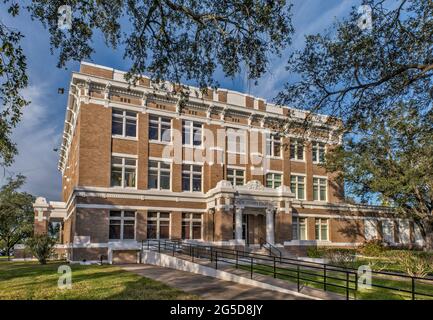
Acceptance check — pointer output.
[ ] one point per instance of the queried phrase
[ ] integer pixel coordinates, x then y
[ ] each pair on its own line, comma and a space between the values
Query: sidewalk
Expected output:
206, 287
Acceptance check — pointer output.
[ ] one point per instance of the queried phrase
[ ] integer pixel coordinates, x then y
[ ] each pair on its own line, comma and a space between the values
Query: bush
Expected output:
416, 265
341, 257
372, 248
41, 246
315, 252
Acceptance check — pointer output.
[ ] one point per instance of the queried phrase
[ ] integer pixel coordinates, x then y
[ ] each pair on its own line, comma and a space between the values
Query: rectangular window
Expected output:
191, 133
273, 145
191, 177
296, 150
388, 231
123, 172
297, 186
158, 225
273, 180
159, 129
319, 189
159, 175
236, 176
122, 225
124, 123
299, 228
322, 229
191, 225
318, 152
236, 141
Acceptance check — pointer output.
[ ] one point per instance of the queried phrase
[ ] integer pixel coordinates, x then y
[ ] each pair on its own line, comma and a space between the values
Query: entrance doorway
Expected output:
253, 228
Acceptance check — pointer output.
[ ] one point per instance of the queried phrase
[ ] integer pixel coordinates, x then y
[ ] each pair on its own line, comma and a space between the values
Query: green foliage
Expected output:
356, 74
171, 40
415, 264
16, 213
315, 252
41, 246
372, 248
341, 257
13, 78
392, 158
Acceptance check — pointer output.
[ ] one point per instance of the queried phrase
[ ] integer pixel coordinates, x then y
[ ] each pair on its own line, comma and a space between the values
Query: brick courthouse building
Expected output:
135, 165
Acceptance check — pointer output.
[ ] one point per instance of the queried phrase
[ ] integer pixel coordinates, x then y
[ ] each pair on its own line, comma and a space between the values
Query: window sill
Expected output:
296, 160
237, 153
160, 142
273, 157
124, 137
193, 147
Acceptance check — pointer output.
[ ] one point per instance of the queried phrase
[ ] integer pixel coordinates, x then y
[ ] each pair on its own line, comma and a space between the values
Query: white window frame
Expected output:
271, 139
158, 170
318, 181
191, 176
297, 228
273, 174
191, 133
319, 222
239, 140
159, 120
124, 117
158, 220
123, 166
191, 219
317, 149
233, 178
297, 183
122, 219
296, 143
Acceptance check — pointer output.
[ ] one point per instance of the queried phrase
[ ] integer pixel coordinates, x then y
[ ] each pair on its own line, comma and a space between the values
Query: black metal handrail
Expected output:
281, 266
268, 246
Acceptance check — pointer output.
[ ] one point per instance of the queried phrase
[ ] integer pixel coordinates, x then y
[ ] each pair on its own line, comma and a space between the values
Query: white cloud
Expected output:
36, 136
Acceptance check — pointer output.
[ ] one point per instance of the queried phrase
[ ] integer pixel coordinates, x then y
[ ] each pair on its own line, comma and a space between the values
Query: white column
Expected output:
238, 224
270, 233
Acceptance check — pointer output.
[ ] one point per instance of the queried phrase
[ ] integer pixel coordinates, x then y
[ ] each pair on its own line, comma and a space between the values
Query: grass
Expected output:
375, 293
5, 258
30, 280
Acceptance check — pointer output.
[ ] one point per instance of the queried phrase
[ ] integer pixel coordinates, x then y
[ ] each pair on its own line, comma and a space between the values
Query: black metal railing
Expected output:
279, 268
273, 250
325, 276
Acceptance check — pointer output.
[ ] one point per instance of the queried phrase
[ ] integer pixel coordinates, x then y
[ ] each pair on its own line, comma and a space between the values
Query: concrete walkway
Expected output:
206, 287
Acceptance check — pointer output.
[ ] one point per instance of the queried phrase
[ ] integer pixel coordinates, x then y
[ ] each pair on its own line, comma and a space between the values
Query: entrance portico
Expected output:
254, 207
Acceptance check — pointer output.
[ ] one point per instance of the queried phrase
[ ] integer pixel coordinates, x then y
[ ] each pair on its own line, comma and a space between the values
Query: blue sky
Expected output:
41, 127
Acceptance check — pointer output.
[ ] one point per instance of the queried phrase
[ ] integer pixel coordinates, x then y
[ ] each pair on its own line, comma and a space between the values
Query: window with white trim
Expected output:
322, 229
299, 226
297, 186
123, 172
159, 175
124, 123
159, 129
318, 150
191, 133
191, 177
296, 149
122, 225
273, 145
236, 140
191, 225
320, 189
273, 180
158, 225
236, 176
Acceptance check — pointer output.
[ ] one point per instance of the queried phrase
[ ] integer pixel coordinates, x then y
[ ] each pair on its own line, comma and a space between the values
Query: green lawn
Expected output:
375, 293
29, 280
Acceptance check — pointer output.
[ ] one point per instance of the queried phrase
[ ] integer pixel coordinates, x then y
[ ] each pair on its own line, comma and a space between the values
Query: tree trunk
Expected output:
8, 253
427, 228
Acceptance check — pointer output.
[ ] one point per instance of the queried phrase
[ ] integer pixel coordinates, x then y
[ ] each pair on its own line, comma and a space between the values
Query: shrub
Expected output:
372, 248
341, 257
315, 252
416, 265
41, 246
